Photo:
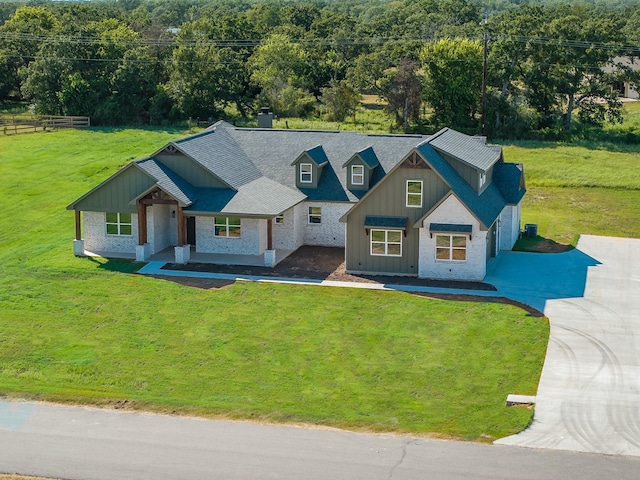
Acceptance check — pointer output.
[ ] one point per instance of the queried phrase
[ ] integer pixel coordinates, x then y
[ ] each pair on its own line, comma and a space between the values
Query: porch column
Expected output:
269, 253
78, 243
142, 223
78, 225
182, 227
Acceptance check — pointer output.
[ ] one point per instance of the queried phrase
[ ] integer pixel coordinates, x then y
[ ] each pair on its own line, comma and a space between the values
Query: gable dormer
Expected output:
359, 169
308, 167
470, 156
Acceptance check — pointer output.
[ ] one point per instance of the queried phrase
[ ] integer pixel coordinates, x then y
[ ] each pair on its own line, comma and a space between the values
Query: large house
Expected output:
435, 206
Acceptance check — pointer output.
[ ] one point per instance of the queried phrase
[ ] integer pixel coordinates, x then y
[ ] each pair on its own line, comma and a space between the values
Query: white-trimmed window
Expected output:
118, 223
414, 193
386, 243
357, 174
306, 173
483, 179
226, 227
451, 248
315, 215
279, 219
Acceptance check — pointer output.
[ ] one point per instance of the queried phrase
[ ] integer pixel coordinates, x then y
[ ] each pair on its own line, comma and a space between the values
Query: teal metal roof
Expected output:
509, 178
369, 157
486, 206
387, 222
450, 228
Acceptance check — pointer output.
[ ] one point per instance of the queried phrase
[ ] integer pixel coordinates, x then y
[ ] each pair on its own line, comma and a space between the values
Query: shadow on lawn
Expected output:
122, 265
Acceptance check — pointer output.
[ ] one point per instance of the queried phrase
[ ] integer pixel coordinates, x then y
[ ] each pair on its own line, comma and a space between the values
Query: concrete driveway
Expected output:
588, 399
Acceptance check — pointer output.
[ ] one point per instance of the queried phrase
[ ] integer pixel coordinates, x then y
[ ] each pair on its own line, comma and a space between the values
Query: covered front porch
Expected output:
168, 255
161, 230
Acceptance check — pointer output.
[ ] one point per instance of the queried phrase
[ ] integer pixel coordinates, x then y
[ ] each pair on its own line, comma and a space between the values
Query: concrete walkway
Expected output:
588, 399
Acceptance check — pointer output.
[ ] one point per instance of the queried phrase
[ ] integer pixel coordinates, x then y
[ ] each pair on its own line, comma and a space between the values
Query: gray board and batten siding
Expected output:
389, 199
468, 173
116, 194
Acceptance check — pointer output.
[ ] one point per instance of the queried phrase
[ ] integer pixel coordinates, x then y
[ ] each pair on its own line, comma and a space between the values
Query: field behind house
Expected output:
579, 189
90, 331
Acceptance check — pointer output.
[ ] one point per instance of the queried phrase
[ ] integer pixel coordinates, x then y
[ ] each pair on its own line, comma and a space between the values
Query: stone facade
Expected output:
97, 240
289, 235
330, 232
474, 267
252, 240
159, 227
509, 226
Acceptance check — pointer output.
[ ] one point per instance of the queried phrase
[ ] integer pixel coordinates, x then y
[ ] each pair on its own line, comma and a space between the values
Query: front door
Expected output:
191, 230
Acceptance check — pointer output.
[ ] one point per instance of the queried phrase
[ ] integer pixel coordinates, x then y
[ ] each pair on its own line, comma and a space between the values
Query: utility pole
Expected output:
485, 40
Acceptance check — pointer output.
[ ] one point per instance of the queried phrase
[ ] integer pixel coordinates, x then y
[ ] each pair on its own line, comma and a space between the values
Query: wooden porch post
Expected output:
142, 223
269, 234
78, 226
182, 227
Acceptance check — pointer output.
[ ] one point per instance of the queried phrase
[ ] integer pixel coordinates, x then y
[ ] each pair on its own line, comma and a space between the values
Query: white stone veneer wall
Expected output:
97, 240
158, 227
290, 234
253, 239
329, 233
509, 226
474, 267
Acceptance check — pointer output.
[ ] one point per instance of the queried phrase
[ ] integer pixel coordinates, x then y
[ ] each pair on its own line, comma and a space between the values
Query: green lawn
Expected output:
577, 189
91, 331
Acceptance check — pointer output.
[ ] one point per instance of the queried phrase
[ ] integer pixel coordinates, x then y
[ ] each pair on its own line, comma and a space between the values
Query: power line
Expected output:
342, 41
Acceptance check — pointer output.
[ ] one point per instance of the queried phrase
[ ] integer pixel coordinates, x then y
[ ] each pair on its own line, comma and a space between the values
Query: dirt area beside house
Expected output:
541, 245
322, 263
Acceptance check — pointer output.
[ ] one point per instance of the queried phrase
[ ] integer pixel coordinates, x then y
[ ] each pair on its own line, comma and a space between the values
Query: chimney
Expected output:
265, 118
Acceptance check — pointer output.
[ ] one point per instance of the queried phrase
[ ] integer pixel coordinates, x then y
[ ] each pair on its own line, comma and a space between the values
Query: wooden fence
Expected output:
10, 124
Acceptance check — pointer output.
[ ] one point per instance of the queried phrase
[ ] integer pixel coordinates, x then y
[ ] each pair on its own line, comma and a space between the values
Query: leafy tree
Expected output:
566, 72
20, 41
403, 94
453, 81
508, 55
340, 100
208, 68
75, 95
278, 66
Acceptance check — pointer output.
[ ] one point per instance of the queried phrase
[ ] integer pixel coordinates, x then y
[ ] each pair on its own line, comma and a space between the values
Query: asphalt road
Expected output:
92, 444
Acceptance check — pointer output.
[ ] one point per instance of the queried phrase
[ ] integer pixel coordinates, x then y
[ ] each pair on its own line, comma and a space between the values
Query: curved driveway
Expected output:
588, 399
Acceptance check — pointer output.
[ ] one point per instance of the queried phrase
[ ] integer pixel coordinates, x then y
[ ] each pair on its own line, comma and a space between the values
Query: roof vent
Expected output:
265, 118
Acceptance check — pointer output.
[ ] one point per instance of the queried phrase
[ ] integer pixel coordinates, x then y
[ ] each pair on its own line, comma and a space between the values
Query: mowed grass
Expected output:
563, 214
91, 331
588, 188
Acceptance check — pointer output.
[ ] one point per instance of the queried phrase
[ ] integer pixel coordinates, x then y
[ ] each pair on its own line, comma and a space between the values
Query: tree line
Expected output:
508, 69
